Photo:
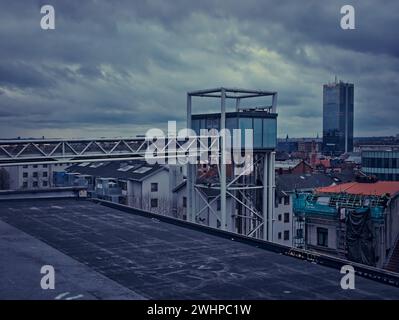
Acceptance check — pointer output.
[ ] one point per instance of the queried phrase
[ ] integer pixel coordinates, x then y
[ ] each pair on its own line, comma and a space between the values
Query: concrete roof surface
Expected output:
145, 258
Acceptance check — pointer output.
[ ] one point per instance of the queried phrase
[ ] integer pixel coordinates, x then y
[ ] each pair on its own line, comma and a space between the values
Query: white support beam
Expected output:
223, 188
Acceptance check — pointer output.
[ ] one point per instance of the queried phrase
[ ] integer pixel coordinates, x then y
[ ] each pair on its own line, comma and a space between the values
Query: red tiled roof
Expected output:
378, 188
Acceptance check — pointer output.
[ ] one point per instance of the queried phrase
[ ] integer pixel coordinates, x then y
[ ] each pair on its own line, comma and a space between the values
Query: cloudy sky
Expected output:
116, 68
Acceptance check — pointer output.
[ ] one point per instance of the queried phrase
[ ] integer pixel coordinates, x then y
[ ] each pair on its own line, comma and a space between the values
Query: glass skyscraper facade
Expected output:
383, 164
337, 118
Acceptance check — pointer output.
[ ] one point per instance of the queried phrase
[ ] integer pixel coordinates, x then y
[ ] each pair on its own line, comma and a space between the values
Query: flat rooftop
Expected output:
103, 253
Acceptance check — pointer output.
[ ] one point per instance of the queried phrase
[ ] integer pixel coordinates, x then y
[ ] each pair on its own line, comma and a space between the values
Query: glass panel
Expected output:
269, 133
258, 133
195, 125
245, 123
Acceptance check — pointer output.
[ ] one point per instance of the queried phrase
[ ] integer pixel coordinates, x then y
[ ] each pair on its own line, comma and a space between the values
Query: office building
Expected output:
338, 118
383, 164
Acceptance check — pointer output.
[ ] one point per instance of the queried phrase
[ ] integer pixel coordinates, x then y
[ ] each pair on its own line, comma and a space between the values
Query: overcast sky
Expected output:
116, 68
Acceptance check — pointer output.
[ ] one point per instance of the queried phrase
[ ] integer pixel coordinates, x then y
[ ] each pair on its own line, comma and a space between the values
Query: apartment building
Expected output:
33, 176
355, 221
132, 183
284, 228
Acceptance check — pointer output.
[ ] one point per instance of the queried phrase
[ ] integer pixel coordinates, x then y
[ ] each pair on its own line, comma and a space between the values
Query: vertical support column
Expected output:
223, 182
268, 195
265, 199
274, 103
238, 102
346, 118
190, 172
271, 185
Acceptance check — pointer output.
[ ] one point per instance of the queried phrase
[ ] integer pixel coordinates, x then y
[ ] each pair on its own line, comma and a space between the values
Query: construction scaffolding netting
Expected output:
359, 237
331, 204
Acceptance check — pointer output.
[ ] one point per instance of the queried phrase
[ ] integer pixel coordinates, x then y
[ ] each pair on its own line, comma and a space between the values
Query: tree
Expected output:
4, 179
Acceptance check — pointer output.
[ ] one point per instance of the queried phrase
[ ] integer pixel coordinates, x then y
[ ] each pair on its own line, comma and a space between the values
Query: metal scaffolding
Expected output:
253, 194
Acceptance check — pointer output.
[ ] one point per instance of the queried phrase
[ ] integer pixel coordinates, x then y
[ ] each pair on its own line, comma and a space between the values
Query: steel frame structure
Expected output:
254, 220
24, 152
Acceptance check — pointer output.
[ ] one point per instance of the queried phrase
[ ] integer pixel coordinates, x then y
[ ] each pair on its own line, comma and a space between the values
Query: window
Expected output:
287, 200
122, 185
279, 235
322, 237
25, 174
257, 133
45, 166
45, 174
286, 217
287, 235
45, 183
35, 184
35, 174
279, 217
35, 166
269, 133
25, 185
154, 203
154, 187
25, 167
184, 202
244, 123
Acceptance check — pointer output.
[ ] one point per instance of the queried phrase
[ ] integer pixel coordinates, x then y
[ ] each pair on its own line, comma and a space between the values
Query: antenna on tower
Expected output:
336, 80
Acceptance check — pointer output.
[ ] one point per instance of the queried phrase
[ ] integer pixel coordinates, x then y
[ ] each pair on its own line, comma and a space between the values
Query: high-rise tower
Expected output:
337, 118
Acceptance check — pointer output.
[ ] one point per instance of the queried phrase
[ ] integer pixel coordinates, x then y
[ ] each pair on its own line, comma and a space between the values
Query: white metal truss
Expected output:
21, 152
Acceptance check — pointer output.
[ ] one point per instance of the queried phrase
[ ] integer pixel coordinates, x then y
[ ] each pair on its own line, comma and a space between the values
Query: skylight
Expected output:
126, 168
142, 170
84, 164
97, 165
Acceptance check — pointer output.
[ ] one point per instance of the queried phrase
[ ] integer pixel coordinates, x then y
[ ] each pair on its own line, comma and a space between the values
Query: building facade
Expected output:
338, 98
384, 164
354, 221
284, 226
133, 183
33, 176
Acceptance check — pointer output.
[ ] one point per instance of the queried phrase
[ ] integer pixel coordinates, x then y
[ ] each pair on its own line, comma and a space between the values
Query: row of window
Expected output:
35, 174
286, 235
46, 165
264, 129
384, 176
35, 166
35, 184
390, 163
286, 217
281, 200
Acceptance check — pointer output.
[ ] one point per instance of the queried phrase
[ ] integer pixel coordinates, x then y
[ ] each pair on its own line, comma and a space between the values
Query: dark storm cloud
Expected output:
122, 66
22, 75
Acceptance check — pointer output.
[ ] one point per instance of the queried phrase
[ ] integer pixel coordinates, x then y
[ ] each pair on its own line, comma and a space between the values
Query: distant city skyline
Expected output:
119, 68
